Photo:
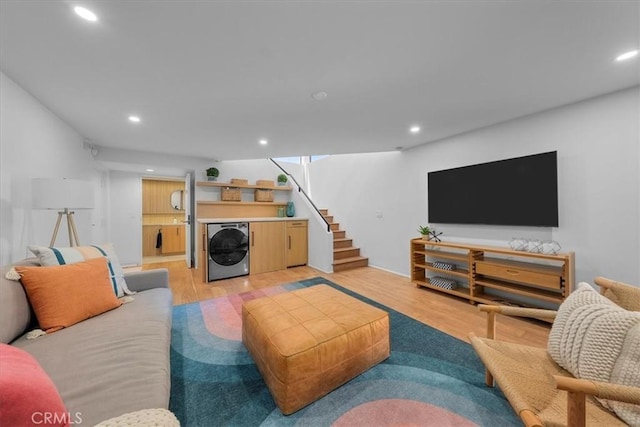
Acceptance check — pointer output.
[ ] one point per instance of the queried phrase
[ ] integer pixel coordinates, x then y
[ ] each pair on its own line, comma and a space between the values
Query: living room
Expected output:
379, 195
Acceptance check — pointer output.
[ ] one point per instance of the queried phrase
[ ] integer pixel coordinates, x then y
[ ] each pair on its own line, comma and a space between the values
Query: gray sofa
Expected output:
111, 364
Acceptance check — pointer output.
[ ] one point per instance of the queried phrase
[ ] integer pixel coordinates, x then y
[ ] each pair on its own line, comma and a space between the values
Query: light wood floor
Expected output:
454, 316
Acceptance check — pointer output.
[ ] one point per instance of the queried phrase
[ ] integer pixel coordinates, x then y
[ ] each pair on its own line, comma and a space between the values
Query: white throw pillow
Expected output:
595, 339
71, 255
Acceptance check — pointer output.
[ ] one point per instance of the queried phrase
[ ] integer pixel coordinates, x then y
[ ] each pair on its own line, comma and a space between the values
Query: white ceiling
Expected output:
210, 78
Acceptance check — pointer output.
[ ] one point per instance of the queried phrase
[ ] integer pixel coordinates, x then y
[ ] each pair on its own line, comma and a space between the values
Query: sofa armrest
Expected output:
533, 313
603, 390
148, 279
578, 389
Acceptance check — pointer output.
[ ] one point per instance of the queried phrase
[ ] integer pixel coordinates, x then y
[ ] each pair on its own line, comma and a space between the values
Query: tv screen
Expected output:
520, 191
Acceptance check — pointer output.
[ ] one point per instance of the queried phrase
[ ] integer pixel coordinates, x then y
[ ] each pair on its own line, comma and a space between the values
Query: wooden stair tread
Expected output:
350, 259
350, 248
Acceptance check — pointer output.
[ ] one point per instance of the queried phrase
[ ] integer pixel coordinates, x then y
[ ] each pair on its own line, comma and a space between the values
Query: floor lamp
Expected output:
63, 195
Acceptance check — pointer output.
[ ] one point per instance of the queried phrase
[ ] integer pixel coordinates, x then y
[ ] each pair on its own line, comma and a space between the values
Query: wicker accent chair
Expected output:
539, 390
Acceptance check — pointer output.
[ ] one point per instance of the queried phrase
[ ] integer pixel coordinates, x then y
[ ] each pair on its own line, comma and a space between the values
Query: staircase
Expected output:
345, 255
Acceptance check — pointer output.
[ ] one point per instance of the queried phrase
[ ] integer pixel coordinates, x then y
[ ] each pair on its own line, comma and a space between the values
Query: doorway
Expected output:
163, 225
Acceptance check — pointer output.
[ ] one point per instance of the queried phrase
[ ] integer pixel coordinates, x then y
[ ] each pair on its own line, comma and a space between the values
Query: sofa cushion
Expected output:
61, 256
595, 339
27, 394
114, 363
64, 295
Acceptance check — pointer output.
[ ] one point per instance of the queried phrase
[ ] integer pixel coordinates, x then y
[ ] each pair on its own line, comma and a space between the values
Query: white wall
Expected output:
125, 216
599, 196
35, 143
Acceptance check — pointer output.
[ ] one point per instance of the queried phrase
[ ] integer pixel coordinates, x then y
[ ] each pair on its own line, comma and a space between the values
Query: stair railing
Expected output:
301, 190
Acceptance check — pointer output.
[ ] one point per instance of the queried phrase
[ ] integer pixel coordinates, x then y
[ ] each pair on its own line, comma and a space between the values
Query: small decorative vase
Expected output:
291, 210
212, 178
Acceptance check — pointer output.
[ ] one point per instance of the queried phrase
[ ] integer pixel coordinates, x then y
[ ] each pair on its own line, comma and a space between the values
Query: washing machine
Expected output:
228, 250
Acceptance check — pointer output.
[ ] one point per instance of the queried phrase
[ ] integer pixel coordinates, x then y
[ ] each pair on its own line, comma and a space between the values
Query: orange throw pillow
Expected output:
64, 295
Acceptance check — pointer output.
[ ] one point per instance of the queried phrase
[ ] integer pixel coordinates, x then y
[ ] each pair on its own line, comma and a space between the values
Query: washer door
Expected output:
228, 247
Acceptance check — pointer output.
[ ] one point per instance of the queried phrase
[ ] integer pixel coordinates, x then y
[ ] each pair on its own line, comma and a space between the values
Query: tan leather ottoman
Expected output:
310, 341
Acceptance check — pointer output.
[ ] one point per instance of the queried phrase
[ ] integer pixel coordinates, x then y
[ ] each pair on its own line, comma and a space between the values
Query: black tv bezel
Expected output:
554, 223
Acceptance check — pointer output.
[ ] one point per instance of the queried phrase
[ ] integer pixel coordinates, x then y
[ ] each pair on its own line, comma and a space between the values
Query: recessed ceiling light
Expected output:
414, 129
85, 13
627, 55
263, 142
150, 170
134, 119
319, 96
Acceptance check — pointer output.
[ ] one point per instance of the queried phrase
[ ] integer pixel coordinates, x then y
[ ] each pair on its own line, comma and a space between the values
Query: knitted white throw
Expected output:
595, 339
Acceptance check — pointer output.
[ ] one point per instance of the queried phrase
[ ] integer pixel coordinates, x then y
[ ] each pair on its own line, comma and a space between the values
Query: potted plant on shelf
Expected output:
282, 179
425, 231
212, 174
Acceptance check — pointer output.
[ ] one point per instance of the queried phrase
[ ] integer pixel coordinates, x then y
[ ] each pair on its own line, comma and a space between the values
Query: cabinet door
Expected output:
149, 241
172, 239
266, 246
297, 245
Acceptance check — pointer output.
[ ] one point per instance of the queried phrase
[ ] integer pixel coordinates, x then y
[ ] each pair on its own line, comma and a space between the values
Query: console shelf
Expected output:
494, 275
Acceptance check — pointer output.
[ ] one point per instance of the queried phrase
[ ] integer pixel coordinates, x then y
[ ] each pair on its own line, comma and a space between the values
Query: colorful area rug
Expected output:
431, 379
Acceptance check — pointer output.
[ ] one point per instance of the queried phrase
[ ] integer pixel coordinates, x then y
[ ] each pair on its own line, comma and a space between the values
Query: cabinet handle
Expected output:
289, 242
513, 272
253, 240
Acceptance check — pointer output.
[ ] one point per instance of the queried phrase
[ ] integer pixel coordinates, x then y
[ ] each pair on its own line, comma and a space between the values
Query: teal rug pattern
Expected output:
431, 378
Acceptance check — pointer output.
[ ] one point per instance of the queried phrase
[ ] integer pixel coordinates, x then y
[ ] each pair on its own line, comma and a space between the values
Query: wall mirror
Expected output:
176, 201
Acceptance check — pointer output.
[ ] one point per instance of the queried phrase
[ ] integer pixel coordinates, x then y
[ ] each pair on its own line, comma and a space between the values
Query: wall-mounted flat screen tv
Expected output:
522, 191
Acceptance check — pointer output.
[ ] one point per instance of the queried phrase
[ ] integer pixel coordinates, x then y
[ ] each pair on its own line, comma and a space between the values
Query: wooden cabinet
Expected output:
173, 239
492, 275
149, 240
266, 246
297, 243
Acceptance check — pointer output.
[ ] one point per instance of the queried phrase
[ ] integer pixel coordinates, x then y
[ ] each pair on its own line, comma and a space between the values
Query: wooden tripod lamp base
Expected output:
71, 227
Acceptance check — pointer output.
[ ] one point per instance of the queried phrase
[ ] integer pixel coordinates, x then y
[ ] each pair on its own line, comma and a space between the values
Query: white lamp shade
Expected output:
61, 193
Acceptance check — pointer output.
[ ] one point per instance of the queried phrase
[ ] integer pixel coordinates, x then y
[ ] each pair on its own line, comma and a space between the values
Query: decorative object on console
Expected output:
444, 265
264, 183
63, 195
282, 179
518, 244
534, 245
212, 174
424, 231
241, 181
443, 282
550, 247
291, 209
433, 235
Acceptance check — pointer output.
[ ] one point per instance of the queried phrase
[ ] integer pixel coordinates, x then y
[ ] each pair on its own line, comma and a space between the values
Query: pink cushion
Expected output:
27, 394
